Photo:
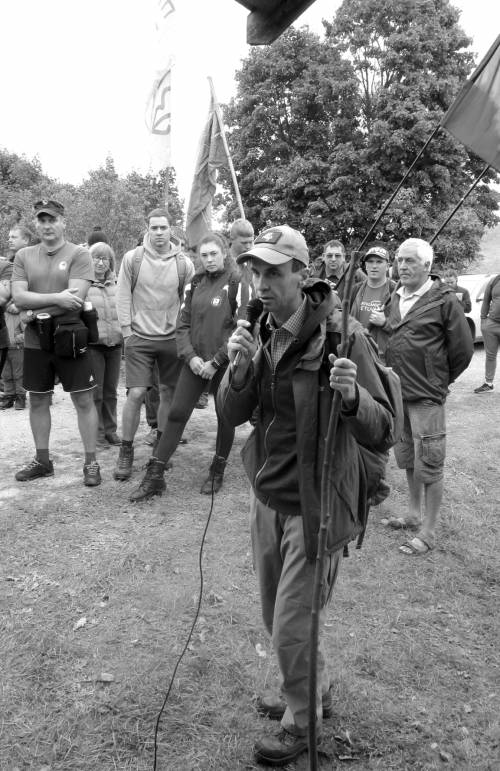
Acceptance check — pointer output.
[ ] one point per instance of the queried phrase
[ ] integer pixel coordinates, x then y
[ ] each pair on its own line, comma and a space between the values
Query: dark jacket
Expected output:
379, 334
463, 298
338, 284
208, 316
431, 346
491, 300
283, 456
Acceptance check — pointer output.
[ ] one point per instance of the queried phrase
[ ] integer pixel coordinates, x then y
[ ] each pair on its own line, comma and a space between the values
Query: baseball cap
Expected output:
377, 251
54, 208
278, 245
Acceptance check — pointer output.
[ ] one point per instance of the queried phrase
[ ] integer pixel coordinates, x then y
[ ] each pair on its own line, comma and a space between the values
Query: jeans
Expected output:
106, 362
491, 338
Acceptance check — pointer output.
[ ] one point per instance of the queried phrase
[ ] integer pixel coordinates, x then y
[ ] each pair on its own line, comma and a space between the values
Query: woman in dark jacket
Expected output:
107, 352
206, 320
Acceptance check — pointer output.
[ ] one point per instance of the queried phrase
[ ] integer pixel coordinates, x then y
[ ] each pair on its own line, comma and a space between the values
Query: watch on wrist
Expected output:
215, 364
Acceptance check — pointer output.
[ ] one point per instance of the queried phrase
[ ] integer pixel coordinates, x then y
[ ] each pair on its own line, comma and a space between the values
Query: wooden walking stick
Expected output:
329, 453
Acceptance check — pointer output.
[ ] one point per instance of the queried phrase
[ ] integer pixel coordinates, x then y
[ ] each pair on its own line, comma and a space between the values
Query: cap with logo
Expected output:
377, 251
278, 245
54, 208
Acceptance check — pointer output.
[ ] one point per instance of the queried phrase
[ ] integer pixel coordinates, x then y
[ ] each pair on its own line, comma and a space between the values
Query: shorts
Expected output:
41, 368
140, 357
423, 444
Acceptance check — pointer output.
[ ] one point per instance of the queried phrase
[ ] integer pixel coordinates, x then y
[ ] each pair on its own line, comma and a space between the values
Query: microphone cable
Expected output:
188, 640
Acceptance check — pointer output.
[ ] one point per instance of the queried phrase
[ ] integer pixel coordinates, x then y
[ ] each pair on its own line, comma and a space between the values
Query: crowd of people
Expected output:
181, 328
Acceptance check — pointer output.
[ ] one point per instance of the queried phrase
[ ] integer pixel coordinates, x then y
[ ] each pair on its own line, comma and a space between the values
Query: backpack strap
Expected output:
181, 264
136, 266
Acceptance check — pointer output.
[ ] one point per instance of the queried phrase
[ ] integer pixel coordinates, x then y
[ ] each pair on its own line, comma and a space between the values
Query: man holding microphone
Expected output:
283, 367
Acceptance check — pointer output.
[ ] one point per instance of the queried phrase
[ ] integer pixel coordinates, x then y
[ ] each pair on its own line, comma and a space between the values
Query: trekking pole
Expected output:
329, 454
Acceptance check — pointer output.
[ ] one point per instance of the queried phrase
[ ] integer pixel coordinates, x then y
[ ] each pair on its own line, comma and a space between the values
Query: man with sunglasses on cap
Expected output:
284, 367
371, 298
51, 280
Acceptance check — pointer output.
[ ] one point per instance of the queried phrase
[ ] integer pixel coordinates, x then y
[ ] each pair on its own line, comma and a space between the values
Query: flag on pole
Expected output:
211, 156
474, 116
158, 116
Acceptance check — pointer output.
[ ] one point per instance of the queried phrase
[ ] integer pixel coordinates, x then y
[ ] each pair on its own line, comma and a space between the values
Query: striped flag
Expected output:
474, 116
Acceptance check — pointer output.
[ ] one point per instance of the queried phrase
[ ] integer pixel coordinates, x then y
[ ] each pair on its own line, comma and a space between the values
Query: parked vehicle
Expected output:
476, 284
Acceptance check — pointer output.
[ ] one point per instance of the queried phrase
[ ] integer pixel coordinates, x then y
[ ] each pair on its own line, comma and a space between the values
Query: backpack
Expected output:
374, 461
180, 262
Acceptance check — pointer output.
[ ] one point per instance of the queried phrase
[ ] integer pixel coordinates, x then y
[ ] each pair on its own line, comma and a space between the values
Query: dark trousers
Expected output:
187, 392
106, 362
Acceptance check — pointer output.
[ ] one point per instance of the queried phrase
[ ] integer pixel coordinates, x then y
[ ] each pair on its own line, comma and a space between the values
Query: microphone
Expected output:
252, 313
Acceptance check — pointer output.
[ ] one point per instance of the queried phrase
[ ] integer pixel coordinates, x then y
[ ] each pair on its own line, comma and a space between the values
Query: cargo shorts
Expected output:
423, 444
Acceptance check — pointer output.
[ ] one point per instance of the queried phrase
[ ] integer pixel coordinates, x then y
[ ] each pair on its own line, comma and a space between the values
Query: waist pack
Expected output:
71, 337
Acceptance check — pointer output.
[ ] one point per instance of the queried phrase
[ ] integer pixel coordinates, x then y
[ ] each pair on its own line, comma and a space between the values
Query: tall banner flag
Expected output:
211, 156
474, 116
158, 114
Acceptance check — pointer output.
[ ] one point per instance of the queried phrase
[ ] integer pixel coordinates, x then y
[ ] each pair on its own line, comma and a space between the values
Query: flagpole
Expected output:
166, 192
393, 196
226, 149
459, 204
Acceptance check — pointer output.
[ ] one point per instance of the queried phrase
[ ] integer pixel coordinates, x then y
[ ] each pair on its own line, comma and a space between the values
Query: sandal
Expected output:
399, 523
415, 547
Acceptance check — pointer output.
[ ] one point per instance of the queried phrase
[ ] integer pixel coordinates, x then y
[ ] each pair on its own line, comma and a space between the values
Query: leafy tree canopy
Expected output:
118, 205
322, 131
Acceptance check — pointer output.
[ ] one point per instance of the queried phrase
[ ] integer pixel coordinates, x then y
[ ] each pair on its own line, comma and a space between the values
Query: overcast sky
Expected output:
75, 76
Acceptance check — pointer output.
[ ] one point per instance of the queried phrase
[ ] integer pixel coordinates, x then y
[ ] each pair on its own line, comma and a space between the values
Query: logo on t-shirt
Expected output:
216, 301
63, 265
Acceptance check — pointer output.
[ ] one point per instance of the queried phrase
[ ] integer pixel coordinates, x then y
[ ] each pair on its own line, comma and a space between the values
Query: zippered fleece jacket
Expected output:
151, 310
431, 346
208, 316
283, 457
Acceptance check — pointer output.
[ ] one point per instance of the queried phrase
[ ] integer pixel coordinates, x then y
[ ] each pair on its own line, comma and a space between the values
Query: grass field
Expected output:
98, 596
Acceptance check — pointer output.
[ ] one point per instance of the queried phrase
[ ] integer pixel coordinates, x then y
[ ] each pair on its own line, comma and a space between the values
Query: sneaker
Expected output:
123, 468
151, 437
484, 389
34, 470
92, 474
280, 749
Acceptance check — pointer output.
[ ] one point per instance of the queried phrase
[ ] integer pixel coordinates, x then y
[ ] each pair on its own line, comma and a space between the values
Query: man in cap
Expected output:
283, 367
371, 298
429, 346
53, 278
334, 267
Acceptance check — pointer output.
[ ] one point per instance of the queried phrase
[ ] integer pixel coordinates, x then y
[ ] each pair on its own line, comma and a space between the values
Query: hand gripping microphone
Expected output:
252, 313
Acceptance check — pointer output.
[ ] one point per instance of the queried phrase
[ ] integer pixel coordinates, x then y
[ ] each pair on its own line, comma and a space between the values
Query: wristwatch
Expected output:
30, 315
215, 364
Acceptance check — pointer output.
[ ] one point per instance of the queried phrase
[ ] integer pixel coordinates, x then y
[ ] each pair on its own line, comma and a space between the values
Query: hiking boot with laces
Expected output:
281, 749
123, 468
92, 474
34, 470
153, 482
484, 389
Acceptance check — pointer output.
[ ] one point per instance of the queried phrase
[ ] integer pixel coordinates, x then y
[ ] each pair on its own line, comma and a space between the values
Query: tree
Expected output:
21, 182
297, 102
322, 131
153, 189
410, 58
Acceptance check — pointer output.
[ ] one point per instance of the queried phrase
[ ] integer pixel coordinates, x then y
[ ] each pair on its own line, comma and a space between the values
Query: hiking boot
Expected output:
151, 437
33, 470
281, 749
273, 706
152, 483
7, 402
20, 402
92, 474
123, 468
215, 476
202, 402
484, 389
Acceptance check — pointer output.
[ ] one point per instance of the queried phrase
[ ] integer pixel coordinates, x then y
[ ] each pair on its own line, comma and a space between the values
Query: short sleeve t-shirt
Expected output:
372, 300
50, 272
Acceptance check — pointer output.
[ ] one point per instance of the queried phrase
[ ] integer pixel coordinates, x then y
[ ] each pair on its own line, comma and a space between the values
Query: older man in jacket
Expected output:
283, 369
429, 346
